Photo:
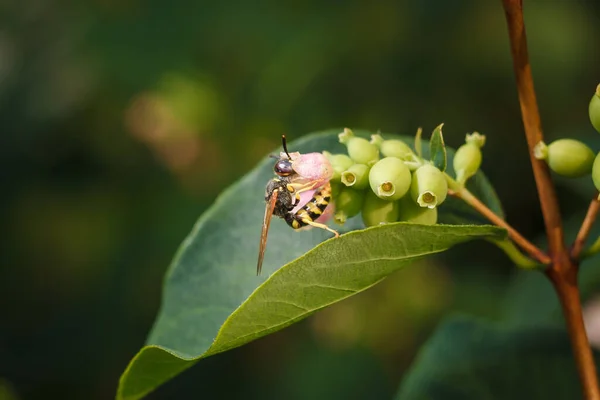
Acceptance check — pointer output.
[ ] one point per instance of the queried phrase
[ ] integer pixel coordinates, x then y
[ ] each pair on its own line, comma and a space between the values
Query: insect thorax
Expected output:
285, 199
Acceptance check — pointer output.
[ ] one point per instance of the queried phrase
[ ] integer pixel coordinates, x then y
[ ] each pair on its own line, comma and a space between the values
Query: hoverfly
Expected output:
300, 194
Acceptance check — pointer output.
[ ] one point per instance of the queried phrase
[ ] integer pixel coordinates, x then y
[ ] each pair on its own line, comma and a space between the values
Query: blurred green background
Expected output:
121, 121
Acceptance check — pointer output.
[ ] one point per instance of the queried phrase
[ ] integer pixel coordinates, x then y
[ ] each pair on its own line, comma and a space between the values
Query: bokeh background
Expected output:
121, 121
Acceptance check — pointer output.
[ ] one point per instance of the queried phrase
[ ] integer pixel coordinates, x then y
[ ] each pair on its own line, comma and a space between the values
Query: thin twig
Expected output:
562, 272
519, 239
586, 227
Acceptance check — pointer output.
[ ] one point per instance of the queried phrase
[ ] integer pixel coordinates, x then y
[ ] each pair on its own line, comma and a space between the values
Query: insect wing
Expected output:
265, 230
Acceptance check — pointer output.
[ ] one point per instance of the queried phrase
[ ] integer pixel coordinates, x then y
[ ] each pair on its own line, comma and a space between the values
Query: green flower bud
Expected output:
389, 178
595, 109
396, 148
429, 187
596, 172
377, 139
339, 162
467, 158
348, 203
357, 176
376, 211
360, 150
410, 211
567, 157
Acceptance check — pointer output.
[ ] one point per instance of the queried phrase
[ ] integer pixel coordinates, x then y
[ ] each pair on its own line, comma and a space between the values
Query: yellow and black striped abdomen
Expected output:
312, 210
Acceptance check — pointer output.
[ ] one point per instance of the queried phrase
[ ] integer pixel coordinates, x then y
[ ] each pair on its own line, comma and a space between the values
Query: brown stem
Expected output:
568, 293
586, 227
562, 272
516, 237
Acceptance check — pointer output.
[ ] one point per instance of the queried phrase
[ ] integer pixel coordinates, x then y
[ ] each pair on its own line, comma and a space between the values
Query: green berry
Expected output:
389, 178
339, 162
567, 157
357, 176
467, 158
376, 211
596, 172
595, 109
410, 211
429, 187
360, 150
348, 203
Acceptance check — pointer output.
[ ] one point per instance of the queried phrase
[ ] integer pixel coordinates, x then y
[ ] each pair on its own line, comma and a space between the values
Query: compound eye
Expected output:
283, 168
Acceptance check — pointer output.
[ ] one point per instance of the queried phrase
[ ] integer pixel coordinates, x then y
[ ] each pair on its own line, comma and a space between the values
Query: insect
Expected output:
300, 194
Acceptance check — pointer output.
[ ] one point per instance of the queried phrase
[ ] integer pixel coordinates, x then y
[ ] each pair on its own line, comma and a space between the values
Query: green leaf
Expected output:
471, 359
200, 303
437, 148
213, 301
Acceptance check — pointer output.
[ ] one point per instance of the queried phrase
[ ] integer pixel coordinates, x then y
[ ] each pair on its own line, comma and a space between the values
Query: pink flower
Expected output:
312, 167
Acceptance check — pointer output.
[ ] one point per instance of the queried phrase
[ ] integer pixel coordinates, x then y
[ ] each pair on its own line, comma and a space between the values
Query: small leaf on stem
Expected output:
437, 149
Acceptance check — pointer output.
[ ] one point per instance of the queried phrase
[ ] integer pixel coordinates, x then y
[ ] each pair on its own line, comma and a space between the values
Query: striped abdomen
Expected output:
312, 210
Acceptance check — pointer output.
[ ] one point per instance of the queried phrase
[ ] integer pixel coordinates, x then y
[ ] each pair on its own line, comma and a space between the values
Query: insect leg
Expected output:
319, 225
296, 195
303, 187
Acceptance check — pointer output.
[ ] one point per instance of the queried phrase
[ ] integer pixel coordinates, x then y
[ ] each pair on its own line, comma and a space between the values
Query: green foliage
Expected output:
93, 206
333, 271
437, 148
470, 359
213, 301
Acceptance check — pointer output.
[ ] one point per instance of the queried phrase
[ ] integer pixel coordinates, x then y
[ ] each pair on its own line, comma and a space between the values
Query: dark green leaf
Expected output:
470, 359
213, 301
437, 148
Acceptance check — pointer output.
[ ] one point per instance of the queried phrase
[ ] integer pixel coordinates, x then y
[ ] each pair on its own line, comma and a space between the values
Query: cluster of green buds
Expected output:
570, 157
388, 181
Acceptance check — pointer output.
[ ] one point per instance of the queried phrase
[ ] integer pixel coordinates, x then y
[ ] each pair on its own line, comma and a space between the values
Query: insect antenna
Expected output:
284, 144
